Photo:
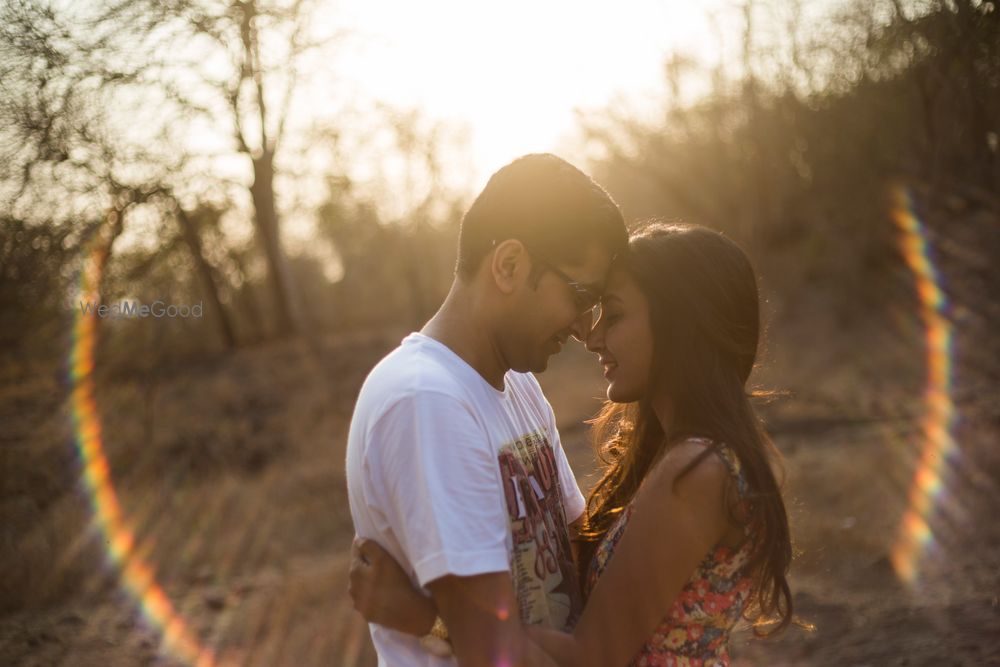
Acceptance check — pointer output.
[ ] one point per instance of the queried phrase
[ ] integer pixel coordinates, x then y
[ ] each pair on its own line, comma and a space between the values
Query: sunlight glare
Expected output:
514, 73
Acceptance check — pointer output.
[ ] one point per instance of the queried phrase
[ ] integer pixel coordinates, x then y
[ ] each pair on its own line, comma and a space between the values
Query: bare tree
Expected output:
262, 44
224, 72
62, 160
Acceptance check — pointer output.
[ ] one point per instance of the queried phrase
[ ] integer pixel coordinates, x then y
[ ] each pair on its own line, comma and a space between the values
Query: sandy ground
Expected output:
230, 472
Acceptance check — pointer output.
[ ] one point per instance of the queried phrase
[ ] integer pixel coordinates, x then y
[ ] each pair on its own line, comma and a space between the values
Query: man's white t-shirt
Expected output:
452, 476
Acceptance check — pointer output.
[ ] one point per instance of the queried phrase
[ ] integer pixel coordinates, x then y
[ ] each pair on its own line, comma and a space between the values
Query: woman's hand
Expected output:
383, 593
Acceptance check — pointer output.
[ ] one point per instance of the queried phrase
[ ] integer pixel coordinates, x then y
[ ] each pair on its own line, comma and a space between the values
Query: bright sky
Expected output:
514, 72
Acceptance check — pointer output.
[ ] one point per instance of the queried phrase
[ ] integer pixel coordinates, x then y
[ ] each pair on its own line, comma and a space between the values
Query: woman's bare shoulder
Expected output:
690, 467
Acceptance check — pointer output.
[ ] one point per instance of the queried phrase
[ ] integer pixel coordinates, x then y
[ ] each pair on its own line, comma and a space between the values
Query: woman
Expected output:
686, 531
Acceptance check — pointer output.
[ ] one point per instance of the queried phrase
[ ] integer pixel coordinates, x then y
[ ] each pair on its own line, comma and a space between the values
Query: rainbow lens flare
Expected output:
937, 447
136, 575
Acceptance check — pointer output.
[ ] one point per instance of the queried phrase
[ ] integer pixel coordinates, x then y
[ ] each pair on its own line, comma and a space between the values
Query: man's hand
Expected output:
383, 594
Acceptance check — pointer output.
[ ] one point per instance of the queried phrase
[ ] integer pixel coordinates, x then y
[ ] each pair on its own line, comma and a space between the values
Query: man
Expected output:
454, 464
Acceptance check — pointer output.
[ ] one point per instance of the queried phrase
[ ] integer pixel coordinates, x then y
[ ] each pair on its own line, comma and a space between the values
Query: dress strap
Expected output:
728, 457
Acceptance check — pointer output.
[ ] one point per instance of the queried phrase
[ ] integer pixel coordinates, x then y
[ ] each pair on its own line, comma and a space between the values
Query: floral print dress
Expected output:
695, 631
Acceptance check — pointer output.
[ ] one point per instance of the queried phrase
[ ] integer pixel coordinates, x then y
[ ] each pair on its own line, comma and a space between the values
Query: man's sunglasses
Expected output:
586, 298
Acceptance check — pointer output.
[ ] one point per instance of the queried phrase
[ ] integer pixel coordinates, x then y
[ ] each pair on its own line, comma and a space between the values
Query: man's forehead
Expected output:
592, 266
617, 281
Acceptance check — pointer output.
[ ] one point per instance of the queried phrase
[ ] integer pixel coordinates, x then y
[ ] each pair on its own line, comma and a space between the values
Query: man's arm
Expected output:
438, 489
383, 594
480, 611
483, 624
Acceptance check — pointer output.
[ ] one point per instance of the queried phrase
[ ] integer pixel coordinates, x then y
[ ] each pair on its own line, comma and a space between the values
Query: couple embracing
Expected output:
475, 545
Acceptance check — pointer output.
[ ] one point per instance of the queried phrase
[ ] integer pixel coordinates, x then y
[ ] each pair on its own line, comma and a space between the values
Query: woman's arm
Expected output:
671, 529
383, 594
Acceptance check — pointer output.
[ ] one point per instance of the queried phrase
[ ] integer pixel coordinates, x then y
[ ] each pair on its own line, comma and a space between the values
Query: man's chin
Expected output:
541, 366
532, 366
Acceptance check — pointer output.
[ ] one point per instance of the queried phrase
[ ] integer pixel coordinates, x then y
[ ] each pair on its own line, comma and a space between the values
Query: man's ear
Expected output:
509, 265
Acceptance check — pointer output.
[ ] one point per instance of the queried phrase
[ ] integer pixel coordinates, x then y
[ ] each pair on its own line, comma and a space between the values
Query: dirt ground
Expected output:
231, 473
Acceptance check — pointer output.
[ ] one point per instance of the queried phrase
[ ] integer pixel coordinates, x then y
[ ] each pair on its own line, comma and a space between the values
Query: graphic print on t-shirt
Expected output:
542, 568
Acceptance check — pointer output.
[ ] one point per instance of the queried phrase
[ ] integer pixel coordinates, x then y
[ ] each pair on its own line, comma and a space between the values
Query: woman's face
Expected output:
623, 339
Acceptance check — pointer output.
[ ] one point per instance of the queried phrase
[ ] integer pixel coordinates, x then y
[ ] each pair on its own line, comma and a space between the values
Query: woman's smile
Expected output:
623, 340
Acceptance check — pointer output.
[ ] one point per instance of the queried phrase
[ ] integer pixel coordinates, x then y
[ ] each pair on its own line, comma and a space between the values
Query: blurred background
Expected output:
287, 176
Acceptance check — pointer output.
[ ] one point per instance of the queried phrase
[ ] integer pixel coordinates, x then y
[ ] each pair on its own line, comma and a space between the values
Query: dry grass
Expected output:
231, 474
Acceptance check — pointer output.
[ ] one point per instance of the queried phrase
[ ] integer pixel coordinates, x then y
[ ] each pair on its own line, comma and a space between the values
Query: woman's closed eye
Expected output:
609, 317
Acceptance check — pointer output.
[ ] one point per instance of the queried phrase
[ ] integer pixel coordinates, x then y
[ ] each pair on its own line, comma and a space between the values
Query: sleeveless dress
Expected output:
695, 631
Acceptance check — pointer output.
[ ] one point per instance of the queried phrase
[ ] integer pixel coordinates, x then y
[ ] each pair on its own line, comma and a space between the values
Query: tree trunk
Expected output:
103, 244
286, 311
207, 278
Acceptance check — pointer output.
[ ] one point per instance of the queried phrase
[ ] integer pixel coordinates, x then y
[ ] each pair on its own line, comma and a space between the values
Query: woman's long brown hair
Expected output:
704, 313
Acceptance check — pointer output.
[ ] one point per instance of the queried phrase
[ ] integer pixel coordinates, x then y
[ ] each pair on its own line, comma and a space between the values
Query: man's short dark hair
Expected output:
549, 205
